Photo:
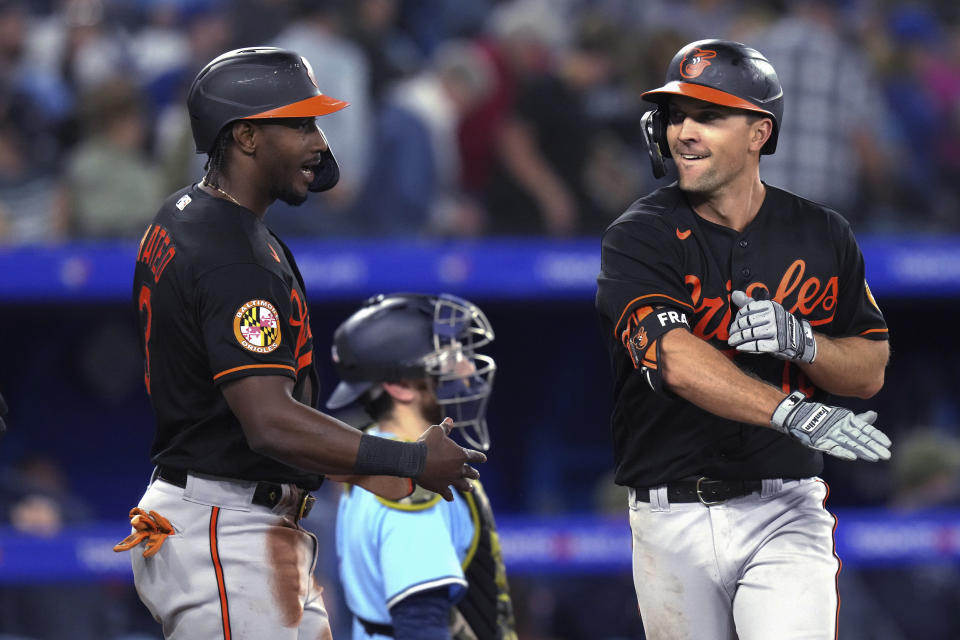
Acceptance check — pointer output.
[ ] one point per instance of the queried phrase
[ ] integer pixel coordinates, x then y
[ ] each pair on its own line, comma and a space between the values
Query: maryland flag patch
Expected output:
256, 327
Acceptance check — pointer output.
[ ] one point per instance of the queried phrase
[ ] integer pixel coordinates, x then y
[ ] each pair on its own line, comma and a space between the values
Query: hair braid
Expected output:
217, 157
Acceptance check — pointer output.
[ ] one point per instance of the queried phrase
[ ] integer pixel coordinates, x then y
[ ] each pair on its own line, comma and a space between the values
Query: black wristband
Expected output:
385, 457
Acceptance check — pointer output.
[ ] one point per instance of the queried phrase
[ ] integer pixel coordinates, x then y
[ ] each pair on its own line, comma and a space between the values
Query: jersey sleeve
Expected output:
640, 266
244, 312
857, 311
417, 554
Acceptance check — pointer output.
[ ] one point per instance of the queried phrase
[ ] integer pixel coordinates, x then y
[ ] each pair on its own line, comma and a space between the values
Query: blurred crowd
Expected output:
471, 117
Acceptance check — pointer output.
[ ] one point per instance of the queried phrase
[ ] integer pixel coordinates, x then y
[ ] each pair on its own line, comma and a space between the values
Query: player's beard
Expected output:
430, 409
283, 189
291, 197
705, 182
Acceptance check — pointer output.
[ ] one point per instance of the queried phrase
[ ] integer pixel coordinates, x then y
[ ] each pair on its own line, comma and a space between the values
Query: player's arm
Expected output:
702, 375
277, 426
387, 487
852, 366
697, 372
422, 616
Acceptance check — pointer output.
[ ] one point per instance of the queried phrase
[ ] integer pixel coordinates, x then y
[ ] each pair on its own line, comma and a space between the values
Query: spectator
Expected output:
540, 184
391, 54
114, 186
922, 87
78, 43
37, 501
316, 33
520, 42
918, 600
414, 183
834, 145
208, 31
34, 109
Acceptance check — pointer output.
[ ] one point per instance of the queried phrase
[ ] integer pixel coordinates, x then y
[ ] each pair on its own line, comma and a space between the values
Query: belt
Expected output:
705, 490
267, 494
375, 628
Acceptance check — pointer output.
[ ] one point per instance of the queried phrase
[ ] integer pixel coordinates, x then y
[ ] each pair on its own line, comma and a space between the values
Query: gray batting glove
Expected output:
764, 326
833, 430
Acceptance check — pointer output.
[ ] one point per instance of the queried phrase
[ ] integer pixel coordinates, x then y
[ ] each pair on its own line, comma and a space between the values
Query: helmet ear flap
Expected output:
653, 126
326, 174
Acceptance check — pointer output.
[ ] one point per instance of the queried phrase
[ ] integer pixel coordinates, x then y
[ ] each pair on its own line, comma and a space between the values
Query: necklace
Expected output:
221, 192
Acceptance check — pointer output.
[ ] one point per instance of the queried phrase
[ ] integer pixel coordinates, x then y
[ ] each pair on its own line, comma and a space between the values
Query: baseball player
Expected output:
218, 551
419, 568
731, 309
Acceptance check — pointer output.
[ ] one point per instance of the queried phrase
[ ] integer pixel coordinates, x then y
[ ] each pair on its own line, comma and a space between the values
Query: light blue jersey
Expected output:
390, 550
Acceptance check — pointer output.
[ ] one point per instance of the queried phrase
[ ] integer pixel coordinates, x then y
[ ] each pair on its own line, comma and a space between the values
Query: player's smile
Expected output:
688, 161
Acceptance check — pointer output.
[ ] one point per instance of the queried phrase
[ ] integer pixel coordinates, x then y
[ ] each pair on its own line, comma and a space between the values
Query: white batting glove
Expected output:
764, 326
833, 430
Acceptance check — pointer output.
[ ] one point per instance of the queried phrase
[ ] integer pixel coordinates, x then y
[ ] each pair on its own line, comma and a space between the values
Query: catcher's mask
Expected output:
259, 83
716, 71
406, 336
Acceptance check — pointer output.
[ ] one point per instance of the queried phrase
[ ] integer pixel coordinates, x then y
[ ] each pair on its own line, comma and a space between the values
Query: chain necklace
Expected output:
220, 191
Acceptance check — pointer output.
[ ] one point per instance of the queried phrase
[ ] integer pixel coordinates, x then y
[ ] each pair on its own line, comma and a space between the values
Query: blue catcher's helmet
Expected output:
408, 336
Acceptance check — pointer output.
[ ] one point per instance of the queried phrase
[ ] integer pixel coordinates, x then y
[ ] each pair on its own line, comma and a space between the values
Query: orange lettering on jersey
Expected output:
302, 322
695, 289
797, 294
705, 309
274, 252
146, 315
156, 250
809, 295
791, 278
754, 288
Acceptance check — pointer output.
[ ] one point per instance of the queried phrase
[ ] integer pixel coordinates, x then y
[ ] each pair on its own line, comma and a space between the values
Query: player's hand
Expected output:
447, 462
833, 430
764, 326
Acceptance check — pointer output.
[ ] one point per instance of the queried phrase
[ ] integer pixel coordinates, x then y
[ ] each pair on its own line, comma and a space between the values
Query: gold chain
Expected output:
221, 191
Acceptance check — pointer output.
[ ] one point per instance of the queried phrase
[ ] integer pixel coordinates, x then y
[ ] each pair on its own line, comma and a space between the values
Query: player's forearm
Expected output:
851, 366
304, 438
277, 426
702, 375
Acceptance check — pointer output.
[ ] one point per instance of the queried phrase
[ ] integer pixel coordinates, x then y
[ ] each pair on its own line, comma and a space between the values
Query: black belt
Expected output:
375, 628
705, 490
267, 494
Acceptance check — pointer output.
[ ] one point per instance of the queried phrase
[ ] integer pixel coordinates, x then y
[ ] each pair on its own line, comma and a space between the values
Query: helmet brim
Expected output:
701, 92
347, 393
313, 106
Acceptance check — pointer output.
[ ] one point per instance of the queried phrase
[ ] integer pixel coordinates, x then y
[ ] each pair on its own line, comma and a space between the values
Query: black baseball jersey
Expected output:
661, 253
219, 298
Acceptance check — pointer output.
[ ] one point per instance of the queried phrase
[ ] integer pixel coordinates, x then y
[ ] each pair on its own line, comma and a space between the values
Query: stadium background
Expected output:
91, 126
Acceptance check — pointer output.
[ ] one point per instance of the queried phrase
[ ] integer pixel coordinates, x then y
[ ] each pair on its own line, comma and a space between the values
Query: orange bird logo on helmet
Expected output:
695, 62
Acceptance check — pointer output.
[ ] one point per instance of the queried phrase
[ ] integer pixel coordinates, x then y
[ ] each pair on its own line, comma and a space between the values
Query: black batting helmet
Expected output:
258, 83
409, 336
720, 72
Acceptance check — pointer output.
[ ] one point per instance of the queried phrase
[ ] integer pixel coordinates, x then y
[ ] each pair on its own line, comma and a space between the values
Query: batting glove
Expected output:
764, 326
833, 430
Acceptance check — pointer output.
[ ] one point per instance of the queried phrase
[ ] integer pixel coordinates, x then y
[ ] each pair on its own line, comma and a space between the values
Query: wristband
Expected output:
784, 409
385, 457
